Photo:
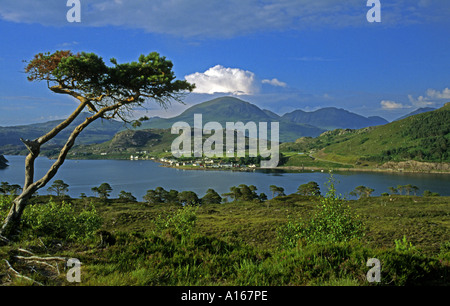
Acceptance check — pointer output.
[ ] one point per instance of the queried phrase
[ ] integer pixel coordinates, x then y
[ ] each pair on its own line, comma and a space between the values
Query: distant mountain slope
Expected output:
126, 143
423, 137
229, 109
98, 131
416, 112
331, 118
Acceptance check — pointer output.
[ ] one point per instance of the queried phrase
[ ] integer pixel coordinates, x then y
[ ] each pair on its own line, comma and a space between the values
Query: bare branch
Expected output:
20, 275
41, 258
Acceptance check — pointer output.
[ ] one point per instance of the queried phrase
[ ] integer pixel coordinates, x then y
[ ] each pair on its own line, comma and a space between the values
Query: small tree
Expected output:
428, 193
188, 198
393, 190
309, 189
162, 194
126, 196
103, 190
172, 196
151, 197
247, 193
400, 189
59, 188
276, 190
6, 188
234, 194
408, 189
211, 197
108, 92
262, 197
362, 191
333, 222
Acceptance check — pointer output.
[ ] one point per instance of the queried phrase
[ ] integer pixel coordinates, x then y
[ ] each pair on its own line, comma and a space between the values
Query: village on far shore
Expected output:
199, 163
203, 163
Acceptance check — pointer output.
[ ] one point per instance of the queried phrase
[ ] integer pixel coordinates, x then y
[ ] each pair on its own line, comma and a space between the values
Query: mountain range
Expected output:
293, 125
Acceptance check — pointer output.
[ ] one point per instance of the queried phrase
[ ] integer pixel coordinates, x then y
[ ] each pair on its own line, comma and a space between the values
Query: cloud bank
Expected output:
223, 19
431, 98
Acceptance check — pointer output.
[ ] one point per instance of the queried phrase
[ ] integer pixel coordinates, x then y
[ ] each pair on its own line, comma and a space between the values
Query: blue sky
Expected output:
280, 55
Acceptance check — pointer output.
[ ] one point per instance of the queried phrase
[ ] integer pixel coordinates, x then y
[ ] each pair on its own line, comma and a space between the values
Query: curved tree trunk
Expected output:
12, 221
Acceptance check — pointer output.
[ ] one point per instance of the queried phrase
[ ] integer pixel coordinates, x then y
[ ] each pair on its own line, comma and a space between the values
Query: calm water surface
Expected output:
139, 176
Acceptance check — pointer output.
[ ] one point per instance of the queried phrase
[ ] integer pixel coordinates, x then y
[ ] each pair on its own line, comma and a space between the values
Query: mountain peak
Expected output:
416, 112
330, 118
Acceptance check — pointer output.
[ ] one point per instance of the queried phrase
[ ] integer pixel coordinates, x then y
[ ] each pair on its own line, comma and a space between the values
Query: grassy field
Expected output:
306, 161
236, 243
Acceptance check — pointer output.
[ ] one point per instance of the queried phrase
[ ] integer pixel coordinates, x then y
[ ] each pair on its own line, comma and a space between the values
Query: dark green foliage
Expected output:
309, 189
160, 195
211, 197
362, 191
6, 188
428, 193
188, 198
61, 220
103, 190
332, 222
279, 191
127, 196
59, 188
242, 193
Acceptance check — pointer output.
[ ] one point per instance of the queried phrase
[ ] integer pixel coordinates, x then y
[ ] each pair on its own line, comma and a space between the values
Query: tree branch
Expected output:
69, 144
43, 139
20, 275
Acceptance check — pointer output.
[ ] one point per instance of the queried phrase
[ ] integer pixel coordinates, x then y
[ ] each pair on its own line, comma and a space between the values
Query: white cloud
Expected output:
431, 98
274, 82
391, 105
220, 79
434, 94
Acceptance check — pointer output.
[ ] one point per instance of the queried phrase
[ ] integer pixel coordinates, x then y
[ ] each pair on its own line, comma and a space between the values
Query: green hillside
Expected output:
98, 131
424, 137
126, 143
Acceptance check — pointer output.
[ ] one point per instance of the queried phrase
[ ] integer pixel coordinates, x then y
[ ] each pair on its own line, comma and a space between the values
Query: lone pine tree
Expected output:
108, 92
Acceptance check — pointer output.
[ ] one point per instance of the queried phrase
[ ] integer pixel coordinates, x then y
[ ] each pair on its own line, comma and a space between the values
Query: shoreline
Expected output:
298, 168
278, 168
304, 169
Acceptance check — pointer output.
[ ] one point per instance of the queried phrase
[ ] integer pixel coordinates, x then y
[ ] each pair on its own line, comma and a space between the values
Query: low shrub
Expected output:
60, 221
332, 222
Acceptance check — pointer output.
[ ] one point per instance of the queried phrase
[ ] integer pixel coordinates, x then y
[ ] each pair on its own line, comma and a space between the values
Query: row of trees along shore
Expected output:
237, 193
